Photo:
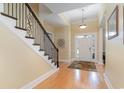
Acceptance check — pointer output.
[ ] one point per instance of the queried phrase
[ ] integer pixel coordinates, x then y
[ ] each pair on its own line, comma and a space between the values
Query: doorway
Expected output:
85, 47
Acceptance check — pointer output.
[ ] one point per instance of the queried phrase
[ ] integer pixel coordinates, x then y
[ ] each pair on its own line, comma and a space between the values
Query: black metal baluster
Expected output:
57, 58
36, 29
50, 50
32, 27
8, 8
45, 42
40, 37
22, 15
54, 57
37, 37
4, 8
12, 9
25, 17
36, 32
16, 13
40, 40
19, 15
32, 21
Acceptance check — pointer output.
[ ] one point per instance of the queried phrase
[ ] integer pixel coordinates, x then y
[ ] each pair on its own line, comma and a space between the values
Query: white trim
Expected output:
100, 44
107, 81
100, 60
39, 79
100, 63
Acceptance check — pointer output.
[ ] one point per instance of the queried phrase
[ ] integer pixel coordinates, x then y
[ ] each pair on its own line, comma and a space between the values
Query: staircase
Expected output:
31, 30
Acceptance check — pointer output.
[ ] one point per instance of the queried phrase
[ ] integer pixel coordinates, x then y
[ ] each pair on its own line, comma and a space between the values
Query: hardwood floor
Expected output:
67, 78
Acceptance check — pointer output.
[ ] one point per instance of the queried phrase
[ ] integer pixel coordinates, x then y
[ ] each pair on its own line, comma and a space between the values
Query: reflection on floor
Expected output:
75, 78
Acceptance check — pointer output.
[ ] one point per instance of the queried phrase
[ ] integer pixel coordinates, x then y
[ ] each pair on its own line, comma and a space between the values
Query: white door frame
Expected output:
80, 34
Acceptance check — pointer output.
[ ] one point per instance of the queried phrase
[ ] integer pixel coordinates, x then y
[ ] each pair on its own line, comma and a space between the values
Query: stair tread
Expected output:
20, 28
46, 54
4, 14
49, 57
29, 37
36, 44
41, 50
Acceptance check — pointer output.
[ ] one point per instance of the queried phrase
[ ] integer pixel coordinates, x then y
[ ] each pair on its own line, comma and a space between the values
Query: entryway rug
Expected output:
83, 65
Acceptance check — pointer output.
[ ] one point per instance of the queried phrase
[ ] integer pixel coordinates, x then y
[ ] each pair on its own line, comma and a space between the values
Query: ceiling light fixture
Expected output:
83, 25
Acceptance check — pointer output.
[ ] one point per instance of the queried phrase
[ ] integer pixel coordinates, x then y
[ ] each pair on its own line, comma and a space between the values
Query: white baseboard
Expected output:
108, 81
98, 62
39, 79
65, 61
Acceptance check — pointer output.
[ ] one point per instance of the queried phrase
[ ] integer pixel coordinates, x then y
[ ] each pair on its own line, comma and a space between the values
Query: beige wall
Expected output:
63, 33
115, 51
19, 65
40, 10
48, 27
92, 27
35, 7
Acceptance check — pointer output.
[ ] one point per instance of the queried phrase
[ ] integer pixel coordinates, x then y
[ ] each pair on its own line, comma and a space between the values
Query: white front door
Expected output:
85, 48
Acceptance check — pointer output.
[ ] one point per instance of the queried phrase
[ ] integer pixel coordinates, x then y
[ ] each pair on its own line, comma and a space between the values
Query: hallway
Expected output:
74, 78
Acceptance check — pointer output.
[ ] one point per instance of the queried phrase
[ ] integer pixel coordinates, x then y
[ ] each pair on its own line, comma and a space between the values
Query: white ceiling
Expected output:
71, 11
90, 13
47, 15
63, 7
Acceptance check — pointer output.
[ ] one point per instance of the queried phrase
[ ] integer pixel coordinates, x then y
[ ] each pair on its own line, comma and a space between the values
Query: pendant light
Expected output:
83, 25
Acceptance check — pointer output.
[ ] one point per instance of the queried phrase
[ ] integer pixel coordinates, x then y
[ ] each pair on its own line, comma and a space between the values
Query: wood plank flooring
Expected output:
67, 78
